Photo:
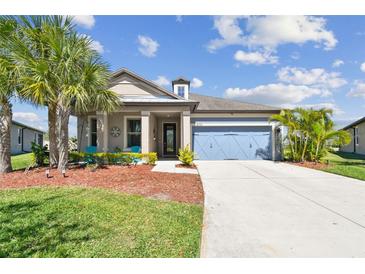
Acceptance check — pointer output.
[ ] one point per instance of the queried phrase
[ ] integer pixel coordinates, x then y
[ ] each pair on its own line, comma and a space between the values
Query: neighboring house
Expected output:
357, 132
22, 137
160, 120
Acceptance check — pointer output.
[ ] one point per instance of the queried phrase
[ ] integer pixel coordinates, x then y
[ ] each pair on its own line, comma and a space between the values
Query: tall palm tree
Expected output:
8, 87
33, 50
83, 79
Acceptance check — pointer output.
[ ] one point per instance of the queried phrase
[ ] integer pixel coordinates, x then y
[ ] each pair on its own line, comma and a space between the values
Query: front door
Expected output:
169, 139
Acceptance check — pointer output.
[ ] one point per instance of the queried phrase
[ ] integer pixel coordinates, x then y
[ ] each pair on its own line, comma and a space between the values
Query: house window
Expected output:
181, 91
19, 136
133, 132
93, 132
357, 136
40, 139
35, 137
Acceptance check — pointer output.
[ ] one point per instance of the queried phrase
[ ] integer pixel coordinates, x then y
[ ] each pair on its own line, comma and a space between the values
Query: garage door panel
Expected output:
223, 143
261, 146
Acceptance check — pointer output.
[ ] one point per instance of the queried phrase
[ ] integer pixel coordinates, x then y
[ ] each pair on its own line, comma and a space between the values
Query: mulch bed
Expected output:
134, 180
313, 165
193, 166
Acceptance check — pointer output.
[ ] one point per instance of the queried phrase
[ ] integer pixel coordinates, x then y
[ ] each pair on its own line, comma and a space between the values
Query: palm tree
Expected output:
32, 51
288, 119
8, 87
83, 79
323, 132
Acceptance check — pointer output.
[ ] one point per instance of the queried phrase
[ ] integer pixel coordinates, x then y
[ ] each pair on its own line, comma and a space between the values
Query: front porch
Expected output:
158, 131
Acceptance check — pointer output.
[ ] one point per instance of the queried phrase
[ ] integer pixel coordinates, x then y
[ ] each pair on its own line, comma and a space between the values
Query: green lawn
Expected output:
346, 164
21, 161
79, 222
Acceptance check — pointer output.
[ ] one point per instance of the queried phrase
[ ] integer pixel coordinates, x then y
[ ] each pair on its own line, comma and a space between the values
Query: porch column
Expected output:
185, 129
145, 134
105, 131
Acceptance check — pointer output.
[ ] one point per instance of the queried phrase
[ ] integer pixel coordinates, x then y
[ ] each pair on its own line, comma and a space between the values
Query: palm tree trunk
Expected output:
63, 119
5, 138
52, 128
304, 148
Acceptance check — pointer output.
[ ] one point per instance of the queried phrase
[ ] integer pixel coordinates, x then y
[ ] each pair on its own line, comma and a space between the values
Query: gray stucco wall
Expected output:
27, 136
360, 148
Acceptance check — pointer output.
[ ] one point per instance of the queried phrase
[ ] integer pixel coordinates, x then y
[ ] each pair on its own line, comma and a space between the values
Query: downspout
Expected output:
23, 139
354, 139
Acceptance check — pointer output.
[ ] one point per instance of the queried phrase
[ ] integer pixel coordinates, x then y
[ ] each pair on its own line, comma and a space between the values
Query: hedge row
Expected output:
113, 158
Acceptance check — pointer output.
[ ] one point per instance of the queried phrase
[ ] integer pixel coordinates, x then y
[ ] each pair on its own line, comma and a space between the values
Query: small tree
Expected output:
186, 156
310, 133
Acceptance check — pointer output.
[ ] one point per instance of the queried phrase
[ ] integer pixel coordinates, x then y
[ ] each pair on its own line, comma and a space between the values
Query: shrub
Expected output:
186, 156
102, 158
39, 154
152, 158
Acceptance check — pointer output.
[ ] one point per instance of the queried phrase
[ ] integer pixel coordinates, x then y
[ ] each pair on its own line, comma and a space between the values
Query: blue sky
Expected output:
284, 61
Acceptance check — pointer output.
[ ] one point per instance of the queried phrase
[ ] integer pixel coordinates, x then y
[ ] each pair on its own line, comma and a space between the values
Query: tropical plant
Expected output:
186, 156
8, 87
310, 133
59, 69
33, 51
83, 84
39, 154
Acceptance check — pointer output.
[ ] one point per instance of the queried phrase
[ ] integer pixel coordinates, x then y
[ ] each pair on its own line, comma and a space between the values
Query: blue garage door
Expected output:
232, 143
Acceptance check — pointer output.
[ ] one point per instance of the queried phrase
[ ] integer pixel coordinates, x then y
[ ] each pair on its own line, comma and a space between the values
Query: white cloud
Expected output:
257, 58
273, 94
362, 67
162, 81
268, 32
358, 90
317, 77
179, 18
337, 63
85, 21
229, 30
147, 46
96, 45
26, 116
196, 83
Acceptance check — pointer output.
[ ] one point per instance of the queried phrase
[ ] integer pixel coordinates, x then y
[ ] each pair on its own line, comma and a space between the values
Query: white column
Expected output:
105, 132
145, 134
186, 129
273, 141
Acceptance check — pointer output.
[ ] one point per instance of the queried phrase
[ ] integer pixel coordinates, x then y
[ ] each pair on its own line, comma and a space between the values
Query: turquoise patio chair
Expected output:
135, 149
90, 159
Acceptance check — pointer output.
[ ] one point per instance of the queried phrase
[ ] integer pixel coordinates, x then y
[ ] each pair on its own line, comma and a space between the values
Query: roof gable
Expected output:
129, 84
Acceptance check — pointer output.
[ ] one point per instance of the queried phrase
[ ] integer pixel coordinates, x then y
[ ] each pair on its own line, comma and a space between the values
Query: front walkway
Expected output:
267, 209
169, 166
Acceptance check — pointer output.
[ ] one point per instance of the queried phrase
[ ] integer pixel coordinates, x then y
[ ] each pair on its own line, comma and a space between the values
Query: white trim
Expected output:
229, 115
89, 129
125, 135
231, 123
163, 140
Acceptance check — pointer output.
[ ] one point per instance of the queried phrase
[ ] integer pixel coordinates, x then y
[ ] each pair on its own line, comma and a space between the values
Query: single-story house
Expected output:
357, 132
162, 121
22, 137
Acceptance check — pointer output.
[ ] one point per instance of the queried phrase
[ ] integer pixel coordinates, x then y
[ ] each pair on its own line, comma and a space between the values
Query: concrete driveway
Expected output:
267, 209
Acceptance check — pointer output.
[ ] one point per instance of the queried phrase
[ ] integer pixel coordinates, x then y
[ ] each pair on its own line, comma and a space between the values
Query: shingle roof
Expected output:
26, 126
354, 123
215, 104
